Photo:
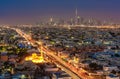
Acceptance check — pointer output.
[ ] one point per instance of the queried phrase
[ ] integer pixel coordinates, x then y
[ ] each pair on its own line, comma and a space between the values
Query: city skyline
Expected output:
30, 11
59, 39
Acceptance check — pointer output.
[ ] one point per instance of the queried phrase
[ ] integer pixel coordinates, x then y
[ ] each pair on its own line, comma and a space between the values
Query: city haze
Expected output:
30, 11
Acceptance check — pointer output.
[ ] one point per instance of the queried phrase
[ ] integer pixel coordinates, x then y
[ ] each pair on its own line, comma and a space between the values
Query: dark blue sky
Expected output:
26, 11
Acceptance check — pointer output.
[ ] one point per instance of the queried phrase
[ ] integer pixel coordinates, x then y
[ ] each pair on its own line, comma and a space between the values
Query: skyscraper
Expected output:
76, 16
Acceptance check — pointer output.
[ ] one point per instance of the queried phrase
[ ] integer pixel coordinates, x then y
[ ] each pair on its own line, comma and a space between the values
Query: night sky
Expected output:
30, 11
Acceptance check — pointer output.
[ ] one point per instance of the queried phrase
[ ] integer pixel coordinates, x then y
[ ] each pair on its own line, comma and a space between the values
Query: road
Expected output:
70, 69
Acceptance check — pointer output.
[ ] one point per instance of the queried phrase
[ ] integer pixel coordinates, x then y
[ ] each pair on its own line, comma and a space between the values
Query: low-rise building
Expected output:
111, 76
4, 57
61, 75
110, 68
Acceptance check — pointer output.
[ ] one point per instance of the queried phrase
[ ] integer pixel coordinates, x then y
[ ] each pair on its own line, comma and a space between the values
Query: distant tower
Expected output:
76, 16
51, 21
78, 20
76, 13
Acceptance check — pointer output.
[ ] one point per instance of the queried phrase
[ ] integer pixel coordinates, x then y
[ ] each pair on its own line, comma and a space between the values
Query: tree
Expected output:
95, 66
117, 55
118, 72
113, 71
6, 64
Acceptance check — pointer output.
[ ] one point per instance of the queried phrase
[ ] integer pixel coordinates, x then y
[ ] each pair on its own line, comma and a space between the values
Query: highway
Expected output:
75, 73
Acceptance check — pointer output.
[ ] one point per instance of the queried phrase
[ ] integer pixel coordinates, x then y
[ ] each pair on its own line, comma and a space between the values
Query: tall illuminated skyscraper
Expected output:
76, 16
76, 12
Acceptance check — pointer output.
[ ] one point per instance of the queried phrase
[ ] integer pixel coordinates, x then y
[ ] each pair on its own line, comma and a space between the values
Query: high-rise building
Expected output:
51, 21
76, 16
78, 20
